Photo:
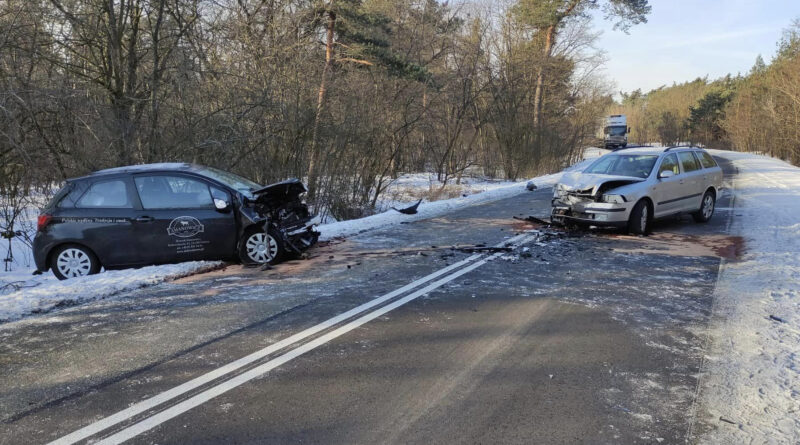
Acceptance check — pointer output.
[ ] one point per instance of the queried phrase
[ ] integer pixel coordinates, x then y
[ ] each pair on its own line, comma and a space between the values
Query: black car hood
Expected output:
285, 190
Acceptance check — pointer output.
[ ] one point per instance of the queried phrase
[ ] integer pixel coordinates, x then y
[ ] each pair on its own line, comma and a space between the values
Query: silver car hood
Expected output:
591, 183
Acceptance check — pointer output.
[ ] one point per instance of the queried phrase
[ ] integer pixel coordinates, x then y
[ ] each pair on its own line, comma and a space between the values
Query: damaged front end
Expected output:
280, 210
585, 199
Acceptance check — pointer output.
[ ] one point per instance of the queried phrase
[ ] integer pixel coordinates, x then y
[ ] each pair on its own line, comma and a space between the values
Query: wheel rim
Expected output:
74, 262
643, 221
708, 207
261, 247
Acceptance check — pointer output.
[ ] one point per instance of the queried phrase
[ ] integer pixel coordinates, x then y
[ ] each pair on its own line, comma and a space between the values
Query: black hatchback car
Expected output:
166, 213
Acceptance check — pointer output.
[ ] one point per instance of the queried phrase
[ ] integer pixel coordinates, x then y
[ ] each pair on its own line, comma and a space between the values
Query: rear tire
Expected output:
72, 260
258, 247
706, 211
639, 221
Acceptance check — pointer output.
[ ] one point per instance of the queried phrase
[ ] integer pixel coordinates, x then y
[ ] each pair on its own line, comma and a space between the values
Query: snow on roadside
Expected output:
429, 209
45, 292
410, 187
752, 374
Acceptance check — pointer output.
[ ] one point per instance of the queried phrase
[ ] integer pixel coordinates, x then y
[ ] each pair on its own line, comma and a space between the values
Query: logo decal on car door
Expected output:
185, 227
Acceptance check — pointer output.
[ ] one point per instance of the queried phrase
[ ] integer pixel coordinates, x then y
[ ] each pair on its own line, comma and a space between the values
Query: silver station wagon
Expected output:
631, 188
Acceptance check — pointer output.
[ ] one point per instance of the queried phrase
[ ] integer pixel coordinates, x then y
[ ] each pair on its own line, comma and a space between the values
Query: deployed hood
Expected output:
593, 184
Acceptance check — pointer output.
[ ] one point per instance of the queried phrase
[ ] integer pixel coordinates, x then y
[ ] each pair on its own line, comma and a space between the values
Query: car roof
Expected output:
146, 168
653, 150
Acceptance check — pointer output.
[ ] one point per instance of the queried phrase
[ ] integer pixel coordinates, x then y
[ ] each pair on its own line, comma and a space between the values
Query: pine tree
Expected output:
357, 37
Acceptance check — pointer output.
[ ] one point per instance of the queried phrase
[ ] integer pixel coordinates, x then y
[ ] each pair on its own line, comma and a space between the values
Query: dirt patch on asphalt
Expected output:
334, 255
722, 246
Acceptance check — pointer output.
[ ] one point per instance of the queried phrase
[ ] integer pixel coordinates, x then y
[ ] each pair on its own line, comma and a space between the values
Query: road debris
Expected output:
482, 249
410, 210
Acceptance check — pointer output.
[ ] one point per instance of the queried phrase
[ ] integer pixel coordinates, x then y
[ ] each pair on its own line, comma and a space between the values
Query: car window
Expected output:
688, 161
706, 159
670, 163
106, 194
172, 192
68, 196
220, 194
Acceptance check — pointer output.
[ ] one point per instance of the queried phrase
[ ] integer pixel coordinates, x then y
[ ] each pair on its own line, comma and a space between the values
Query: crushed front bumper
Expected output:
300, 237
590, 213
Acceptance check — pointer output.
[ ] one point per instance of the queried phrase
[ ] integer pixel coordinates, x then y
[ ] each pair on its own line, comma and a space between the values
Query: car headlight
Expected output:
614, 199
558, 191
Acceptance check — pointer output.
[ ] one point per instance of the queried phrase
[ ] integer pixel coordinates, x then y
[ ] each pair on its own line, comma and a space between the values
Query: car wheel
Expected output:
706, 210
259, 247
639, 222
72, 261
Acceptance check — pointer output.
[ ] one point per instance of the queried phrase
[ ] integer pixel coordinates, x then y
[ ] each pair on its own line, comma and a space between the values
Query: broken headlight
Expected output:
614, 199
558, 191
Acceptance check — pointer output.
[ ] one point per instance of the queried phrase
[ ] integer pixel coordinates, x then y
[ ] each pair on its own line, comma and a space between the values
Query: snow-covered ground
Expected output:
22, 293
750, 386
482, 192
410, 187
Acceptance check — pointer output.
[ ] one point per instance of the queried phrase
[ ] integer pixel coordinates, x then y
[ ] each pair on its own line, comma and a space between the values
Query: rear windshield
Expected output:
637, 166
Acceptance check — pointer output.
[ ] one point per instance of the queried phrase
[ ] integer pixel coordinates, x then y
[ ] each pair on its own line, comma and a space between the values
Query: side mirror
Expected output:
666, 174
221, 204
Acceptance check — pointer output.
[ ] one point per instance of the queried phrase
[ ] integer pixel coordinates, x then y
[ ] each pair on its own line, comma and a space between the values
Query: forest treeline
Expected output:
344, 93
758, 111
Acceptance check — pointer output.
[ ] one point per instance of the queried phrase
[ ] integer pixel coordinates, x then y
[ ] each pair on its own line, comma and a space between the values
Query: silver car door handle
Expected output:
144, 219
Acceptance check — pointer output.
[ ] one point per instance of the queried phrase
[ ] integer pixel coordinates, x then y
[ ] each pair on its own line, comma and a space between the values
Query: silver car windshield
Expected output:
637, 166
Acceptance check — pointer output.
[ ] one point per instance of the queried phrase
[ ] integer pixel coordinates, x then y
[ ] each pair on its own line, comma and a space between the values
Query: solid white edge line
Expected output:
176, 410
197, 382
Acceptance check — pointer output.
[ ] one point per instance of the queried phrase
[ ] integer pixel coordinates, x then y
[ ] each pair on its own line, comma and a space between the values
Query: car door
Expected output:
693, 182
178, 221
667, 191
101, 219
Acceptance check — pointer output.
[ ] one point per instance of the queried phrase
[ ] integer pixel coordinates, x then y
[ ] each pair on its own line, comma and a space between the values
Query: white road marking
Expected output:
197, 382
176, 410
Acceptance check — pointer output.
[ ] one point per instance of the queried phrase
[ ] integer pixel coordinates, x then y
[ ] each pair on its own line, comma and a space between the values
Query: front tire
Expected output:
639, 221
73, 261
259, 247
706, 211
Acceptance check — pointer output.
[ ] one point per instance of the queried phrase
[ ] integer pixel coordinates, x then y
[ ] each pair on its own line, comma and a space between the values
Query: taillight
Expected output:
43, 221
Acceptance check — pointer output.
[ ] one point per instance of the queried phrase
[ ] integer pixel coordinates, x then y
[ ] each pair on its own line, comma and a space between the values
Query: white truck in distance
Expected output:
615, 132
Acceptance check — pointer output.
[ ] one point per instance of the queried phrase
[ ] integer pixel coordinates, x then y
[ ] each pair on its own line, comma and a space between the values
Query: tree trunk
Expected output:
537, 96
314, 155
550, 34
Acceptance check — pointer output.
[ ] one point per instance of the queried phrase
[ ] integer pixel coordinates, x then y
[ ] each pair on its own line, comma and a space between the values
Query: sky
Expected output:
687, 39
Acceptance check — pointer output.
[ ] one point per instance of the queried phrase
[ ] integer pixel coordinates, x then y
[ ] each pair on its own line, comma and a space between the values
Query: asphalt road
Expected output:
568, 338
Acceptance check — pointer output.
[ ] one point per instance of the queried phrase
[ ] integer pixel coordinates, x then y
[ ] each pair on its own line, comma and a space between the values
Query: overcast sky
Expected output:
686, 39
